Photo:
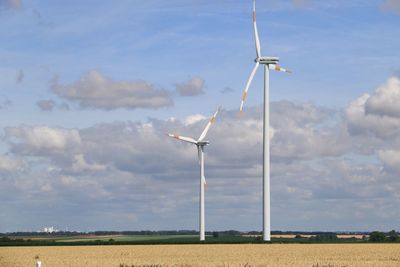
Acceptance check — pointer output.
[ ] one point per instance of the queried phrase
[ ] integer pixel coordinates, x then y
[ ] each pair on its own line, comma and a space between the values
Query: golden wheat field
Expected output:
298, 255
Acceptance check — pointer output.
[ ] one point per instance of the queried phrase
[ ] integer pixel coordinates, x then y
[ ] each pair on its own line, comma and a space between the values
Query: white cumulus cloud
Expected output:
9, 164
377, 114
386, 99
42, 139
194, 118
192, 87
94, 90
391, 159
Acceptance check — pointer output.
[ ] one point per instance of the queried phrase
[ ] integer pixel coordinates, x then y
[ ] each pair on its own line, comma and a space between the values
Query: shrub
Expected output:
393, 236
377, 236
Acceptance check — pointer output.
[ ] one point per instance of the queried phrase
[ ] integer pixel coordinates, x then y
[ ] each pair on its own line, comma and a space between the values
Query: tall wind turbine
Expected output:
269, 63
200, 143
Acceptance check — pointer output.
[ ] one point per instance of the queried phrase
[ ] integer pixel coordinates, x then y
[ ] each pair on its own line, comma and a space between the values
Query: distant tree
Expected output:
377, 236
231, 233
215, 234
324, 237
393, 236
254, 233
298, 236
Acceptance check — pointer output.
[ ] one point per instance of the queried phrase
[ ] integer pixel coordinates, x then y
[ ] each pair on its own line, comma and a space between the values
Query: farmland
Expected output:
309, 255
94, 240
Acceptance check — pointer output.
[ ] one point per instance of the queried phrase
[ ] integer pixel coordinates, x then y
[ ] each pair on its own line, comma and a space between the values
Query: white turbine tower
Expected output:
200, 143
269, 63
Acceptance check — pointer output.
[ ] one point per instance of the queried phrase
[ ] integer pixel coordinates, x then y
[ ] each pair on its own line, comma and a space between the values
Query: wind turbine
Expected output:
269, 63
200, 143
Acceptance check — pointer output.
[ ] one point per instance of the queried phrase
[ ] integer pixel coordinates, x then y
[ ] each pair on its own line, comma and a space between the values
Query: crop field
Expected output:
310, 255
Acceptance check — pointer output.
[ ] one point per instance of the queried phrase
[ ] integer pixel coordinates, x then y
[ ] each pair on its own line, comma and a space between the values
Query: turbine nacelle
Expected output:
203, 143
267, 60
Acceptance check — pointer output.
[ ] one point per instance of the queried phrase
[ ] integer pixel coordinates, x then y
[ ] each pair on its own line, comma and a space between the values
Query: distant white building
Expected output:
50, 230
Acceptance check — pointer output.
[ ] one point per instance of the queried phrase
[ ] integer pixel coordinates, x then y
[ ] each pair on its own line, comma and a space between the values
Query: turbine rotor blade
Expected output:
257, 39
248, 85
203, 178
183, 138
205, 131
275, 67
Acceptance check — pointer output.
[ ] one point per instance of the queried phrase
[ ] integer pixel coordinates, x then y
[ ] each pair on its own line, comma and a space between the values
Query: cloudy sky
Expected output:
88, 90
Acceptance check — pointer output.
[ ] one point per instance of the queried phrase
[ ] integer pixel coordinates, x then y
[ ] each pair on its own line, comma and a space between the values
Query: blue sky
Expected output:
77, 77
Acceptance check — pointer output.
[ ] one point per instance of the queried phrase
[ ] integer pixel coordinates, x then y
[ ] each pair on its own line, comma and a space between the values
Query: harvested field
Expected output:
332, 255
